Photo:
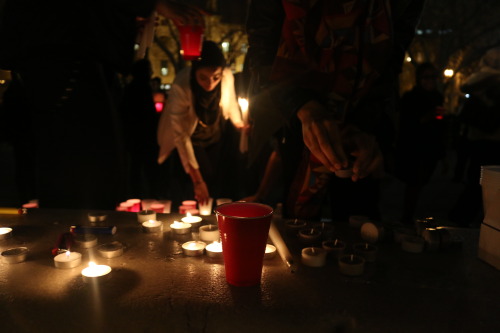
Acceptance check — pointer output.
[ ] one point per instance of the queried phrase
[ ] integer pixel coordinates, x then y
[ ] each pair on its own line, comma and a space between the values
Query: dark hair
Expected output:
211, 56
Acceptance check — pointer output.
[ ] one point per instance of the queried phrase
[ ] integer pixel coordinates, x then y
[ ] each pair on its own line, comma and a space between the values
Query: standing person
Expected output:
326, 74
196, 122
68, 57
421, 141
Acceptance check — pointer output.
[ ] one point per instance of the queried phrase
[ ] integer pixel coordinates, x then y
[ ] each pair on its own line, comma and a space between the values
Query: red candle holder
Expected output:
191, 37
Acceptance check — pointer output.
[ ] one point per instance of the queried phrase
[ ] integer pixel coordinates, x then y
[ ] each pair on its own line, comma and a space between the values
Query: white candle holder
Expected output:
214, 250
146, 215
366, 250
335, 247
195, 221
270, 251
209, 233
351, 265
95, 273
15, 255
314, 257
5, 233
206, 208
180, 228
310, 235
86, 241
152, 226
110, 250
68, 259
193, 248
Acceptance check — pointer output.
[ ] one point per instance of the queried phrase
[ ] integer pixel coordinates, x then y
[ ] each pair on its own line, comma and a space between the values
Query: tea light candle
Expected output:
335, 247
193, 248
372, 232
367, 251
309, 235
325, 229
97, 217
68, 259
351, 265
95, 272
15, 255
214, 250
86, 241
180, 228
111, 250
209, 233
356, 221
5, 233
146, 215
195, 221
152, 226
206, 208
314, 256
413, 244
270, 251
293, 226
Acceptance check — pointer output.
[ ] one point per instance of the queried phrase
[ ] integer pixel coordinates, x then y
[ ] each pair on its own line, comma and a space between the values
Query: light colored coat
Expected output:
178, 121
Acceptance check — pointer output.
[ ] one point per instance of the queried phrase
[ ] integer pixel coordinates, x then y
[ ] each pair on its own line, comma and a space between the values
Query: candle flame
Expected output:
92, 264
188, 214
243, 102
68, 253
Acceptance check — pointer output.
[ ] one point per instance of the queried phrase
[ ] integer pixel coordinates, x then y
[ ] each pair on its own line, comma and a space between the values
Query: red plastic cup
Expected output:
191, 37
244, 227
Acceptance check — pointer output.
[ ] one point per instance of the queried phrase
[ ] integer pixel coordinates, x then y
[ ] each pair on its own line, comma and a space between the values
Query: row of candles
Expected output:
165, 206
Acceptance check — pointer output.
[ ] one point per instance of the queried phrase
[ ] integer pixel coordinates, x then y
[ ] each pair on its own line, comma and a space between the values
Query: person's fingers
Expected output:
311, 142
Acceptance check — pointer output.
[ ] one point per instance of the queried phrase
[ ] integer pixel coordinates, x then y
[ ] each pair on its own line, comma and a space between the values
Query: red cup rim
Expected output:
216, 210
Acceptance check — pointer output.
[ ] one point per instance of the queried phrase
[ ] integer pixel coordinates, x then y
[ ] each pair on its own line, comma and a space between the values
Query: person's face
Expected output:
208, 77
428, 80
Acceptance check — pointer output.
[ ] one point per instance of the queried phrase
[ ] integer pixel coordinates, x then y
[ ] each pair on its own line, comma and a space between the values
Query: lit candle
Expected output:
309, 235
214, 250
206, 208
243, 102
180, 228
281, 247
146, 215
111, 250
97, 217
15, 255
193, 248
351, 265
313, 257
95, 272
335, 247
413, 244
367, 251
68, 259
5, 233
195, 221
270, 251
152, 226
86, 241
209, 233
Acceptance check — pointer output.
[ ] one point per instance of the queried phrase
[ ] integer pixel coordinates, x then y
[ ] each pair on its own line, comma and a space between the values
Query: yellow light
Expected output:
448, 72
408, 59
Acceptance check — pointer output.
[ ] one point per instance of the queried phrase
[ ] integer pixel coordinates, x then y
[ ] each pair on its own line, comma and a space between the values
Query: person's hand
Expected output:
242, 127
365, 150
181, 13
322, 136
201, 192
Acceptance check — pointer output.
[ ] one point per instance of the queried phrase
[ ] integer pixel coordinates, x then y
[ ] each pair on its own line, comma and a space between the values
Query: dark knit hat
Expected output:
211, 56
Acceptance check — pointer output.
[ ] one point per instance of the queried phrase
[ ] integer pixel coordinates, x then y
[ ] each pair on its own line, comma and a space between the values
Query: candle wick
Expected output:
295, 221
312, 250
352, 257
312, 231
335, 244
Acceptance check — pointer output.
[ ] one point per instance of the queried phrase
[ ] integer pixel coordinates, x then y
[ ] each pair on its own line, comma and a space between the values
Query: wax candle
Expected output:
270, 251
146, 215
281, 247
293, 226
366, 250
314, 256
97, 217
195, 221
413, 244
68, 259
95, 273
335, 247
193, 248
206, 207
309, 235
372, 232
152, 226
326, 230
86, 241
180, 228
351, 265
15, 255
111, 250
356, 221
214, 250
209, 233
5, 233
